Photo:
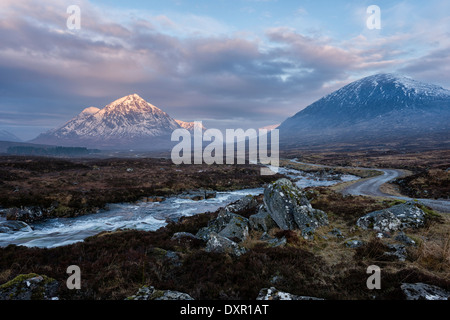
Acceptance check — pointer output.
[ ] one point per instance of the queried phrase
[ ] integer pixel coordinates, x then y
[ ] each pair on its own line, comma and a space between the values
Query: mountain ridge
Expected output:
379, 108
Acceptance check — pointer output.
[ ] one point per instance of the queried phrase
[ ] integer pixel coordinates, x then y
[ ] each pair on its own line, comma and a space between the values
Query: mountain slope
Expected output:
129, 122
378, 109
8, 136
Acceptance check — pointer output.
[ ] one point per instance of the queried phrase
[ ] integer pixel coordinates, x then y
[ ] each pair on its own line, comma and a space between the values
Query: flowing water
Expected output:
142, 215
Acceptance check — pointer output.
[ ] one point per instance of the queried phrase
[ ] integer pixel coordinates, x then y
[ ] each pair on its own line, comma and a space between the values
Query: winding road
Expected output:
371, 187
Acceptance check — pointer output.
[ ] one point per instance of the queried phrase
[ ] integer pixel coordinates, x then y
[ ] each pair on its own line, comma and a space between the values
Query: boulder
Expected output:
290, 209
14, 226
228, 225
245, 204
150, 293
262, 221
219, 244
30, 287
273, 294
422, 291
398, 217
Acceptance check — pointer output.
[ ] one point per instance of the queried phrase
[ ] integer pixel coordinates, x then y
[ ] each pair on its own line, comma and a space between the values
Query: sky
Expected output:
229, 63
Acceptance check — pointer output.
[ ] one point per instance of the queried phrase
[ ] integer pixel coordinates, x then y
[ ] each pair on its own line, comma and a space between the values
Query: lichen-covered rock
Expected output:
422, 291
398, 217
290, 209
30, 287
228, 225
14, 226
150, 293
219, 244
398, 251
246, 203
403, 238
273, 294
262, 221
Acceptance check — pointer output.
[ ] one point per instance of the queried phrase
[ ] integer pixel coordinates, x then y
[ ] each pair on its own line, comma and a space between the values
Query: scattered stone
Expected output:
337, 233
403, 238
422, 291
154, 199
353, 244
14, 226
183, 236
398, 251
198, 195
30, 287
220, 244
398, 217
291, 210
275, 242
150, 293
273, 294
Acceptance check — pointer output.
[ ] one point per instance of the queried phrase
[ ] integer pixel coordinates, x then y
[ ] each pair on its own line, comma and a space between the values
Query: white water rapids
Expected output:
143, 215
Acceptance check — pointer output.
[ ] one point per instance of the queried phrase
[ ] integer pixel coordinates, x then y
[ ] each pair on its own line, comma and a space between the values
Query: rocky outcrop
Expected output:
26, 214
422, 291
30, 287
219, 244
273, 294
398, 217
150, 293
290, 209
13, 226
228, 225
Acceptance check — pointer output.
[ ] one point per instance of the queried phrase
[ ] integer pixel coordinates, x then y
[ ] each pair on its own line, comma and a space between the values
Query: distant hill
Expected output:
8, 136
377, 110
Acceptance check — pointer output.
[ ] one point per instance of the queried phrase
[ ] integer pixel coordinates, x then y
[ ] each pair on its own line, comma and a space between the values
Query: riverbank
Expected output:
61, 188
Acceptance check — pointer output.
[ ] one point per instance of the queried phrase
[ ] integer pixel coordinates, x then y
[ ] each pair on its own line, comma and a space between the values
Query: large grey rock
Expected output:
228, 225
262, 221
219, 244
398, 217
30, 287
246, 203
422, 291
150, 293
274, 294
290, 209
14, 226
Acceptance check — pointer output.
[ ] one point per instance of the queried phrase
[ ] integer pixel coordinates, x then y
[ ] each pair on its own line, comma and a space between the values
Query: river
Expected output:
144, 215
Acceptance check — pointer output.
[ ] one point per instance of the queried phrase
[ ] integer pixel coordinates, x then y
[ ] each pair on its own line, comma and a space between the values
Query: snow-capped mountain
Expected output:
188, 125
380, 107
8, 136
129, 122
